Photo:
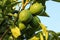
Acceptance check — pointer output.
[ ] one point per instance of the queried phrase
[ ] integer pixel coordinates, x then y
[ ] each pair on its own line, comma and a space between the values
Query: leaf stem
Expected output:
4, 34
24, 4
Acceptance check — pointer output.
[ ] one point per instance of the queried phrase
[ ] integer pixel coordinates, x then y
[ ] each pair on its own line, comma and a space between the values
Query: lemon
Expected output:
15, 32
25, 16
21, 26
36, 8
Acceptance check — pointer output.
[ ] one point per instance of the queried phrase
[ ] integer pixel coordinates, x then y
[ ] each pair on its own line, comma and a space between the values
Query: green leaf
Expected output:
41, 37
38, 33
0, 7
44, 14
53, 34
30, 32
0, 2
13, 4
56, 0
40, 1
1, 12
44, 30
58, 33
3, 2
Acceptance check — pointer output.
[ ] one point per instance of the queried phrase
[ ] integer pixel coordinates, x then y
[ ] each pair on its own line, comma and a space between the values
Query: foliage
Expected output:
24, 23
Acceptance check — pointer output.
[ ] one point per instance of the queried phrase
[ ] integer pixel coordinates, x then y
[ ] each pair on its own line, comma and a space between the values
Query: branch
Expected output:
24, 4
27, 1
4, 34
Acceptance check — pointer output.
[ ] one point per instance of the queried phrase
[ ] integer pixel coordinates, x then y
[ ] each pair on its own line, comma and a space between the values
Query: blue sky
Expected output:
53, 22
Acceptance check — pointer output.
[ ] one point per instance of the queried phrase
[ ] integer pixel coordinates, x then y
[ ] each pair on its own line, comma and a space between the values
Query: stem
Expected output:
24, 4
27, 1
4, 34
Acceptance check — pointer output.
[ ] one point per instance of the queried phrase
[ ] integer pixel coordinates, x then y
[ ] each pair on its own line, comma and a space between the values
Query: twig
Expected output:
27, 1
4, 34
24, 4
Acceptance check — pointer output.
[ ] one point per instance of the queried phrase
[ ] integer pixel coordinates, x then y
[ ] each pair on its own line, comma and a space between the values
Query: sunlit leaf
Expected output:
44, 30
34, 38
46, 36
13, 4
41, 37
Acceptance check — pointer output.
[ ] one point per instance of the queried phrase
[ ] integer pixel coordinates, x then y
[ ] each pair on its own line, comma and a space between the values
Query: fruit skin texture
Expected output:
21, 26
25, 16
36, 8
35, 21
10, 38
15, 32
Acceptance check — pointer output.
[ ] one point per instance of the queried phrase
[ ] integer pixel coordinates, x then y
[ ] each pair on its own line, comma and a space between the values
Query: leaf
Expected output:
56, 0
0, 7
1, 13
52, 33
13, 4
6, 37
46, 36
43, 2
44, 30
30, 32
41, 37
44, 14
40, 1
58, 33
34, 38
3, 2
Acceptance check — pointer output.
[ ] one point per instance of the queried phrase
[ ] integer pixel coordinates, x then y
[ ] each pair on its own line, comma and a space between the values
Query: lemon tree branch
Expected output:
24, 4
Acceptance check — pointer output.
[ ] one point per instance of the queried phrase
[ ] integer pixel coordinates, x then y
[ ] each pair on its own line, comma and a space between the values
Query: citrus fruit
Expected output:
10, 38
15, 15
25, 16
15, 32
36, 8
35, 21
21, 26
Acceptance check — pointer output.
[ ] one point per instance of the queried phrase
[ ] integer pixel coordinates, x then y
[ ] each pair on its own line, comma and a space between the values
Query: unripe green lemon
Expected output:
36, 8
35, 21
15, 15
25, 16
22, 26
10, 38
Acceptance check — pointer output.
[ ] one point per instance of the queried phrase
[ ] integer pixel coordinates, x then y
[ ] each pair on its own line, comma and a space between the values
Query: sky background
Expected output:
52, 22
53, 10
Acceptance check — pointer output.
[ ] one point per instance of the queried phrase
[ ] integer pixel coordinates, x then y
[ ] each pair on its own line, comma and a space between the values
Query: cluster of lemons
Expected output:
29, 16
